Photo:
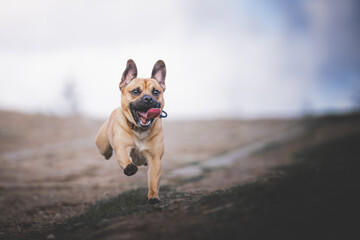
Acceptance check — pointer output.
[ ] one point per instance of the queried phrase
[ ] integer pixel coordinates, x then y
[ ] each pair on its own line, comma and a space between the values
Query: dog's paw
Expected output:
153, 201
108, 155
130, 169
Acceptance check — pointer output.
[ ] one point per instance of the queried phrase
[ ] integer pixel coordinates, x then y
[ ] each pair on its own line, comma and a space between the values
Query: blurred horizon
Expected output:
225, 59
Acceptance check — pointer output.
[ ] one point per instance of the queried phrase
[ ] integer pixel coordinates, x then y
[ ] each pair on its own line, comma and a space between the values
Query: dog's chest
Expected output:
137, 153
140, 135
140, 145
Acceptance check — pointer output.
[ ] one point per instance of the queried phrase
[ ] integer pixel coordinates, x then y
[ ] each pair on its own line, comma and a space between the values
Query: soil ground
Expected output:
271, 178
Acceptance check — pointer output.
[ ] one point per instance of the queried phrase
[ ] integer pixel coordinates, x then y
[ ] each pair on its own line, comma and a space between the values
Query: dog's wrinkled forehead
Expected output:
143, 84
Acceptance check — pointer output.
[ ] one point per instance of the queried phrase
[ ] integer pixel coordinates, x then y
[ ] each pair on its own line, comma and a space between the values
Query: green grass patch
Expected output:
98, 214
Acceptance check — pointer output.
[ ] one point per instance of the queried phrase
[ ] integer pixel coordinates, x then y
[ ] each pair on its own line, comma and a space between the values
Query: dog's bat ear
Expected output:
129, 74
159, 73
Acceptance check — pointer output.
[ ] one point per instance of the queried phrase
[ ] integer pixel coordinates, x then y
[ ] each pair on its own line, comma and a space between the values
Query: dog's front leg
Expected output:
154, 174
124, 161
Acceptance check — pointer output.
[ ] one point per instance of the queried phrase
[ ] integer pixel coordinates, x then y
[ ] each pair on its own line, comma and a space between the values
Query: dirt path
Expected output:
57, 176
312, 199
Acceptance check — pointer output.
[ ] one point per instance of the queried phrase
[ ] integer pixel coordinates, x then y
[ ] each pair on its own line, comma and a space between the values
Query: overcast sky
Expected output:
224, 58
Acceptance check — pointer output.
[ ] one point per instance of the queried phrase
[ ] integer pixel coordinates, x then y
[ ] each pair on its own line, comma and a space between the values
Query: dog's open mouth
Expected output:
145, 117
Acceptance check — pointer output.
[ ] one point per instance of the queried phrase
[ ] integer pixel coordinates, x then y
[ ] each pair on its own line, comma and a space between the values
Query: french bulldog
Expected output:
134, 130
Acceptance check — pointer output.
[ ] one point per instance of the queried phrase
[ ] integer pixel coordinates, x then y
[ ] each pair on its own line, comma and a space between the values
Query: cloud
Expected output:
224, 58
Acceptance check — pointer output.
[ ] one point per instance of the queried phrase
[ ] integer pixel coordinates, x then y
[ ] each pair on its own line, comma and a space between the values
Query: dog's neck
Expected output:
133, 126
138, 131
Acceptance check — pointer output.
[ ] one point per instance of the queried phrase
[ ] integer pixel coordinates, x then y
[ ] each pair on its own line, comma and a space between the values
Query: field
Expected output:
224, 179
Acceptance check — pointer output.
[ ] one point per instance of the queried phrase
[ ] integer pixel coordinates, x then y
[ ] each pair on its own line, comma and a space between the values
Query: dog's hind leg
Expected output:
102, 141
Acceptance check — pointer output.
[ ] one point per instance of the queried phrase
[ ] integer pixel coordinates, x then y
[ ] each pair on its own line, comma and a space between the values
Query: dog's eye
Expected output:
136, 92
155, 92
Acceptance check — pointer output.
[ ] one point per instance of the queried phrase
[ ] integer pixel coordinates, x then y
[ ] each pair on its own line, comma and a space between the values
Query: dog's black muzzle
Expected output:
141, 106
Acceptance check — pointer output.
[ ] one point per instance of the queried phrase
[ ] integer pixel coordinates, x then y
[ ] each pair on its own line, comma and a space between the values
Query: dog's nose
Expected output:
147, 99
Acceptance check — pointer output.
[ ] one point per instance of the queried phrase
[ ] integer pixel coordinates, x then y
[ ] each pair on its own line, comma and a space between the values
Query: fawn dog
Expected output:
134, 130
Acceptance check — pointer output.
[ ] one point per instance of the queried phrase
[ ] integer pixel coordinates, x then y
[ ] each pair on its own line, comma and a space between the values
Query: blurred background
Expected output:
225, 59
251, 86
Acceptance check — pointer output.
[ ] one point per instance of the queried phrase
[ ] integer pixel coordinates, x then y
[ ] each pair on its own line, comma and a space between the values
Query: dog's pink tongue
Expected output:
142, 116
153, 113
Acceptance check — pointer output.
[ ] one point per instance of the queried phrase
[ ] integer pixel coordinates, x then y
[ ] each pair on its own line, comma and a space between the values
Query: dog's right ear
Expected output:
129, 74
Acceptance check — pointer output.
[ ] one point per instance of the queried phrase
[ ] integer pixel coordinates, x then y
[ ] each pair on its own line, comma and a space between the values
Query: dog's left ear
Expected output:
129, 74
159, 73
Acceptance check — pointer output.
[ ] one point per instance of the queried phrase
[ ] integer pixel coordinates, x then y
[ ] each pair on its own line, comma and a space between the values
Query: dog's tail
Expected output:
102, 141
